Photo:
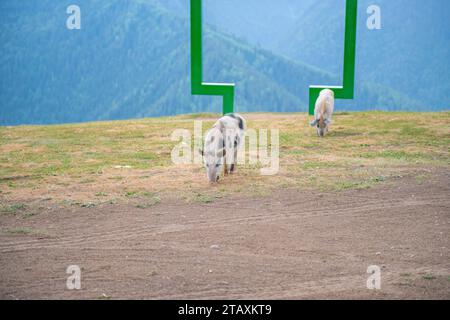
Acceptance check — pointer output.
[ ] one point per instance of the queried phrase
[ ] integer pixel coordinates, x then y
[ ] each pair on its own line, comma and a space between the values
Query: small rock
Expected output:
378, 254
215, 246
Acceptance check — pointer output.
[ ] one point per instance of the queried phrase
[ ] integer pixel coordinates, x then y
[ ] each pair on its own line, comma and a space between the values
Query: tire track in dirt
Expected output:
133, 232
299, 290
170, 228
297, 245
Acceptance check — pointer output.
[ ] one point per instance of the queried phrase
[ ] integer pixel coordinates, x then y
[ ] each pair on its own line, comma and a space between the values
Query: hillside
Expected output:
130, 60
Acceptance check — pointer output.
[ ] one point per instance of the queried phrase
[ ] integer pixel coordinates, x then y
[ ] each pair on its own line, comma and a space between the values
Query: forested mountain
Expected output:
131, 59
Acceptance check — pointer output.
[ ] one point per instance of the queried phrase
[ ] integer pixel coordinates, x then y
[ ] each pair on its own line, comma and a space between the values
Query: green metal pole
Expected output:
226, 90
347, 90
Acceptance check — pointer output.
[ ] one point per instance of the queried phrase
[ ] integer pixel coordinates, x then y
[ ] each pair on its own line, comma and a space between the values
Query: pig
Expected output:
323, 112
221, 146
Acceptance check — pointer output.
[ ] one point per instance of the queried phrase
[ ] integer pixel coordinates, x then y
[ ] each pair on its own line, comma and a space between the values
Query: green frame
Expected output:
347, 90
226, 90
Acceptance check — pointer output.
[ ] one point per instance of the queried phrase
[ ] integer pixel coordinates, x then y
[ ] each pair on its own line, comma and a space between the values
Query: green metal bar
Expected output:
347, 90
226, 90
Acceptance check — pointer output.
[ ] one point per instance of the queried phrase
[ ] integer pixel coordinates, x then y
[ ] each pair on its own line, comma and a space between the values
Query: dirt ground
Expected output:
290, 245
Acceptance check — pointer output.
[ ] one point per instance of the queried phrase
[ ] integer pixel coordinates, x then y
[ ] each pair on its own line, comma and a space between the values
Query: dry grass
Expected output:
77, 163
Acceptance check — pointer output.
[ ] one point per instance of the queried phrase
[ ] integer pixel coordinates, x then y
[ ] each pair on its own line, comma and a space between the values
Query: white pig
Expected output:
323, 112
221, 146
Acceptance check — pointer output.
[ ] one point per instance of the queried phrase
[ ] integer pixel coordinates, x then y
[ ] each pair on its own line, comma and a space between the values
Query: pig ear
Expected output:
314, 123
221, 153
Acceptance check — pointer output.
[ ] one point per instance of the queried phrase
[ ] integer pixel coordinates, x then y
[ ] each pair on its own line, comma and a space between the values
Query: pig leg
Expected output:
225, 167
234, 165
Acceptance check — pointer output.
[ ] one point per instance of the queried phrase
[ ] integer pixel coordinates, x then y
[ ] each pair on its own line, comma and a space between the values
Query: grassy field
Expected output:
107, 162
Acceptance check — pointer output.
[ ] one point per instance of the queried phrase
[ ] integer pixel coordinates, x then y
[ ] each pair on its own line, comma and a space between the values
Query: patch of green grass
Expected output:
87, 181
378, 179
88, 205
420, 179
140, 194
29, 215
117, 178
358, 184
132, 194
202, 198
149, 194
295, 152
63, 184
12, 209
350, 185
288, 138
101, 194
311, 165
76, 203
12, 185
145, 156
69, 202
20, 231
413, 131
148, 204
396, 155
429, 276
405, 275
